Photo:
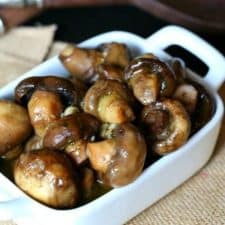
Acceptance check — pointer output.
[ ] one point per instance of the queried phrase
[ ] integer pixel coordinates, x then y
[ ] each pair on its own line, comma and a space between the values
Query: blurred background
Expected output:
76, 24
79, 23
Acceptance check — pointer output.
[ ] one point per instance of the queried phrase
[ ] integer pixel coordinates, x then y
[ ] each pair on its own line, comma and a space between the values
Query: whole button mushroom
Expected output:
149, 78
15, 126
47, 97
109, 101
168, 124
48, 177
120, 159
84, 63
81, 63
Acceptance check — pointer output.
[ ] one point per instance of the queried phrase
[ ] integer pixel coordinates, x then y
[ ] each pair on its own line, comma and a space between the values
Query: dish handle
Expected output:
175, 35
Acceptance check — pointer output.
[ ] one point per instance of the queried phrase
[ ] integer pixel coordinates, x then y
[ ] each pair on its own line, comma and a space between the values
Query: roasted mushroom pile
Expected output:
68, 141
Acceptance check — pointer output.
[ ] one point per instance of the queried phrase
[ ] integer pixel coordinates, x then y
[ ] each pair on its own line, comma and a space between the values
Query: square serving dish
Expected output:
120, 205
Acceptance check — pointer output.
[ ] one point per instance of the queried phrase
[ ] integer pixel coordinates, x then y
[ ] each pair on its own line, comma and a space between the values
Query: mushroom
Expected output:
70, 134
149, 78
77, 151
84, 63
204, 107
44, 107
15, 126
34, 143
81, 63
110, 72
115, 53
118, 160
109, 101
179, 68
168, 124
188, 95
69, 93
48, 177
61, 132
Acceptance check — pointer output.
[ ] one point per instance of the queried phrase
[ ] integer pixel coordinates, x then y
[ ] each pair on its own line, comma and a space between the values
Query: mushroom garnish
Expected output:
118, 160
168, 123
109, 101
149, 78
15, 126
47, 176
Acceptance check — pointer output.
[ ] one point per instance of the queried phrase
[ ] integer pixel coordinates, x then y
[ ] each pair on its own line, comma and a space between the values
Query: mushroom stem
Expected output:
80, 62
145, 87
114, 109
77, 151
119, 160
44, 107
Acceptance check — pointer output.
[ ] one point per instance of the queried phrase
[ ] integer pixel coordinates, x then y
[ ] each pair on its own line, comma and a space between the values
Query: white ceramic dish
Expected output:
120, 205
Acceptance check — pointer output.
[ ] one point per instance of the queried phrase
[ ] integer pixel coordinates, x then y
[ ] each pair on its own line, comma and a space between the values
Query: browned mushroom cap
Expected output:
115, 53
15, 126
69, 94
119, 160
80, 62
149, 78
43, 108
168, 123
47, 176
109, 101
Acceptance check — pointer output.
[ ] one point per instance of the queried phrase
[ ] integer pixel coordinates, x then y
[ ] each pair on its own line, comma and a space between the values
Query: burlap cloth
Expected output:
199, 201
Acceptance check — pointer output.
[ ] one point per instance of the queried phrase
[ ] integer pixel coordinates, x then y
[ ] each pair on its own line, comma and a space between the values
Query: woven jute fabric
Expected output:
199, 201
